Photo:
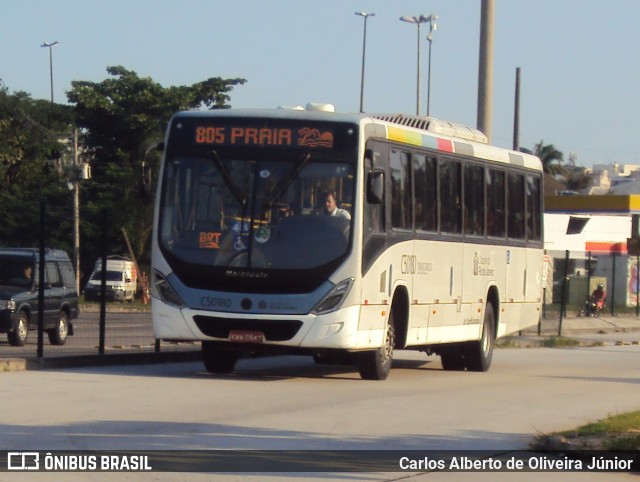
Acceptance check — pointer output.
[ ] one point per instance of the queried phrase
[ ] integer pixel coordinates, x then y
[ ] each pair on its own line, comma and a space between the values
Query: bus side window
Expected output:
450, 196
425, 192
401, 201
533, 209
474, 200
515, 206
495, 203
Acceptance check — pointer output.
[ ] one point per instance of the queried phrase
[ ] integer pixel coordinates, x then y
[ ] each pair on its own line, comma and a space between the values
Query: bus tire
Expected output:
376, 364
218, 360
479, 353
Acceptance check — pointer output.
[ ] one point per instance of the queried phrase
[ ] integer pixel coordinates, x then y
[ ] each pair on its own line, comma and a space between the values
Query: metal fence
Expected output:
572, 276
569, 279
102, 328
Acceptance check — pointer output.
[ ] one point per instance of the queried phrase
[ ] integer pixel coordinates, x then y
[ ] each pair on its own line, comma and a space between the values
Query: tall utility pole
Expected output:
50, 46
432, 27
516, 114
364, 47
76, 210
485, 68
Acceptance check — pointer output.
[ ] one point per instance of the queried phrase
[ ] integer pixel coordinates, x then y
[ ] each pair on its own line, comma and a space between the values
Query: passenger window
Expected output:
401, 200
52, 275
495, 204
515, 206
533, 209
474, 200
450, 196
426, 194
68, 276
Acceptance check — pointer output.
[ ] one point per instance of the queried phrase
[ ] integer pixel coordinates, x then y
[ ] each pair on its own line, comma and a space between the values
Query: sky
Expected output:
579, 62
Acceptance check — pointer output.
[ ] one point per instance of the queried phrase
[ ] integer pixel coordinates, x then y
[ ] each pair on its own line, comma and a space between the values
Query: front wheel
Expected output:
18, 337
376, 365
218, 360
58, 335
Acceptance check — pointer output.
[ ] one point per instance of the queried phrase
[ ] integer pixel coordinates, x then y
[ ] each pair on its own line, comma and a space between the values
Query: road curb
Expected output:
21, 364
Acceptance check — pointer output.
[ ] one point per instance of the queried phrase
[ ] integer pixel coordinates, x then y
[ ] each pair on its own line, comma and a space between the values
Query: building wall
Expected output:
599, 229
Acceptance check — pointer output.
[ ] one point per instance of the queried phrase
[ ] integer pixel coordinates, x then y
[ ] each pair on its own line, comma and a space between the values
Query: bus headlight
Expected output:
160, 288
334, 298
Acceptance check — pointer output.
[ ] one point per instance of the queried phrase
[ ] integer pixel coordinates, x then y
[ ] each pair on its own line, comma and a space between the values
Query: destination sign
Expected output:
308, 137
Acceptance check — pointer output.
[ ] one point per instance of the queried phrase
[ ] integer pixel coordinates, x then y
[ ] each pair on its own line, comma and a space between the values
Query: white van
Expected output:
121, 282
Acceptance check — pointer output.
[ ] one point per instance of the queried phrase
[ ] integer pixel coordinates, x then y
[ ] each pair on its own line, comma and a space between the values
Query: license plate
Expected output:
246, 336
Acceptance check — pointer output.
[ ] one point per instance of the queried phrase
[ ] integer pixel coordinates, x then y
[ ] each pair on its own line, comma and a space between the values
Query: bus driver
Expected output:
331, 207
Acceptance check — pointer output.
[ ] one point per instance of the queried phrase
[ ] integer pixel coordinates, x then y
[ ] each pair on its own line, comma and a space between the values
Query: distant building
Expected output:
616, 170
615, 179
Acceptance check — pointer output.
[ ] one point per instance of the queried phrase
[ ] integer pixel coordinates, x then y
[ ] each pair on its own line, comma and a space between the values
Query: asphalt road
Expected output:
291, 403
124, 332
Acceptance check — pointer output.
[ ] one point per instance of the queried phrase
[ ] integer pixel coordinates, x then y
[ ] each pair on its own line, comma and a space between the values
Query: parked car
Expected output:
121, 281
19, 268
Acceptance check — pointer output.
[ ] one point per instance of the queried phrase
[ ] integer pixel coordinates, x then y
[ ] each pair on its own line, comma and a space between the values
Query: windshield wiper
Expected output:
286, 181
228, 180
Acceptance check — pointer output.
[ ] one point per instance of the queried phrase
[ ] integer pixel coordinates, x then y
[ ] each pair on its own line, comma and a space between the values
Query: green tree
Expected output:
551, 158
120, 118
33, 152
579, 179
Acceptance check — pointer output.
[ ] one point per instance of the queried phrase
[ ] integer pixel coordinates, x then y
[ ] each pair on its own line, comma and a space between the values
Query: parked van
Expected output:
121, 283
19, 268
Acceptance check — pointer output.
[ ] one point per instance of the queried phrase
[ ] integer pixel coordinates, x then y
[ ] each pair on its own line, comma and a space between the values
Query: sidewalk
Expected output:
605, 329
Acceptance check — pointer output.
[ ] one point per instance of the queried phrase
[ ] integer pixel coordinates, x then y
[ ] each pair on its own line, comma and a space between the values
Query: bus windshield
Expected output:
256, 208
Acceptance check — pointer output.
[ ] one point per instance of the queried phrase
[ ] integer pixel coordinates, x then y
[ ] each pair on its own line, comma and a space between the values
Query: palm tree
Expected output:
551, 158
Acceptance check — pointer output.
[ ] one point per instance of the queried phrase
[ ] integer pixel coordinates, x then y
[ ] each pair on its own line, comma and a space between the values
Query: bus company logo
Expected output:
23, 461
310, 137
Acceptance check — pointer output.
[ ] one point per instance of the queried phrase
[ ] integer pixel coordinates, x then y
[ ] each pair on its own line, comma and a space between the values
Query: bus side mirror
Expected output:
145, 178
375, 187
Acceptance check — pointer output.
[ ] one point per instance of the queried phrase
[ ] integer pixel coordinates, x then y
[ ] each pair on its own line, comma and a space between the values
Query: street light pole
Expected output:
364, 46
417, 21
50, 45
432, 27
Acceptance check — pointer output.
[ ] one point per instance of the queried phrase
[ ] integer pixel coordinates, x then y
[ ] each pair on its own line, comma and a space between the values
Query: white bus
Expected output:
437, 246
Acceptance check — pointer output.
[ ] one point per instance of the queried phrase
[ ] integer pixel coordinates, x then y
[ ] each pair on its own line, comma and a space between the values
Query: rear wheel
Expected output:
218, 360
58, 335
18, 337
478, 354
376, 365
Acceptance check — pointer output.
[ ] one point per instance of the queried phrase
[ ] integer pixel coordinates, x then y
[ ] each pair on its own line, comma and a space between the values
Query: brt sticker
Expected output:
208, 240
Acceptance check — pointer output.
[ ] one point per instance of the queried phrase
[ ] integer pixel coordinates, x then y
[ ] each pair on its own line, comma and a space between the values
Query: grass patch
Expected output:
559, 342
507, 343
616, 432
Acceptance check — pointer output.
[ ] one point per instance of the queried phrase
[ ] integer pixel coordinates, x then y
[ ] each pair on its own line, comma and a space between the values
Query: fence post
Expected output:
613, 283
588, 294
40, 349
637, 285
103, 284
563, 301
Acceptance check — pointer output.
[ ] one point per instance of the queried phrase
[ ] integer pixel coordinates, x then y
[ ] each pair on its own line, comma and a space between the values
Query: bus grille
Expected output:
274, 330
